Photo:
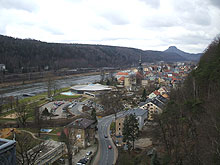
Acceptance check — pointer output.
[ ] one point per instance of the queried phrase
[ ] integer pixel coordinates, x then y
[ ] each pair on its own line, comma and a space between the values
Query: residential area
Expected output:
84, 124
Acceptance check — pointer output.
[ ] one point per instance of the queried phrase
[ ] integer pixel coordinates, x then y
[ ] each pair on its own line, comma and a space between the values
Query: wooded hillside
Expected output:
26, 54
189, 128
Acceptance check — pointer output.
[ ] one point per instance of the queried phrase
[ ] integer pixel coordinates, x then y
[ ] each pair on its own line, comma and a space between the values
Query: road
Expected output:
106, 155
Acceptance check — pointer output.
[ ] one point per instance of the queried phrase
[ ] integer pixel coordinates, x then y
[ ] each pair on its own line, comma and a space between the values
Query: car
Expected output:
88, 153
106, 136
109, 147
82, 161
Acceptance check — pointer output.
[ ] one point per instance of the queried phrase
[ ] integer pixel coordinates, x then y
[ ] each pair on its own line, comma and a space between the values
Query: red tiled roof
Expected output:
122, 73
173, 78
121, 78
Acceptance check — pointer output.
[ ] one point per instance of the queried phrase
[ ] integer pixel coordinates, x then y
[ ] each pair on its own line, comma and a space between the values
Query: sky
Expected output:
190, 25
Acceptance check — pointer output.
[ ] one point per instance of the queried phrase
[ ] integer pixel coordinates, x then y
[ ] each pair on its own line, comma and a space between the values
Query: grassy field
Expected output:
64, 97
34, 101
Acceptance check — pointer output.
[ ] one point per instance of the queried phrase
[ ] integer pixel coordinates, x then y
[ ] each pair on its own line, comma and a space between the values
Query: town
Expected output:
99, 82
89, 123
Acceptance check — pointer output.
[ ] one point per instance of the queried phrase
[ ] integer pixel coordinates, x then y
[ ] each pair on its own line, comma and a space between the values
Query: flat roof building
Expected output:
7, 151
80, 89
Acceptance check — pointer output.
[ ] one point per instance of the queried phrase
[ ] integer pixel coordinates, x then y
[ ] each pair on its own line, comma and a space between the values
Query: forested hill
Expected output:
190, 124
188, 56
26, 53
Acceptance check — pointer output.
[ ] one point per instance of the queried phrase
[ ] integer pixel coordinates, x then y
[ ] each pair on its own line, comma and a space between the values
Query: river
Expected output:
35, 88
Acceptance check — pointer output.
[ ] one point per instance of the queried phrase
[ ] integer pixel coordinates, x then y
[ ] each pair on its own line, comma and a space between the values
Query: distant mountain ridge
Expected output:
26, 53
187, 56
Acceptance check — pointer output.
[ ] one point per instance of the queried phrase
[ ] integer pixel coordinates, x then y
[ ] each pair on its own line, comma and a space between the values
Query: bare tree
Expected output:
112, 102
68, 137
102, 74
21, 112
27, 149
38, 120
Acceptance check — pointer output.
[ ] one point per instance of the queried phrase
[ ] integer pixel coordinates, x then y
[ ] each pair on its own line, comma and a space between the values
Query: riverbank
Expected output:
9, 84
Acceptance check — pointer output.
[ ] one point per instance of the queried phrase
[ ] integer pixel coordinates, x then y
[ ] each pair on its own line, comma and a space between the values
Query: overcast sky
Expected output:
146, 24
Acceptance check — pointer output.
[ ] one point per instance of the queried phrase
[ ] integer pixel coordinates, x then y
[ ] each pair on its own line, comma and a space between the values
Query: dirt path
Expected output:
32, 134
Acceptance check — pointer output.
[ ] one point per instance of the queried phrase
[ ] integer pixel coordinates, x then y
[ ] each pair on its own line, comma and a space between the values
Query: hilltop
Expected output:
188, 56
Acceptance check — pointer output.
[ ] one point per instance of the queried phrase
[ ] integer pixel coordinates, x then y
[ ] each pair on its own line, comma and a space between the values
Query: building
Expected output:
83, 130
7, 152
139, 73
119, 123
153, 107
81, 89
51, 151
127, 82
122, 74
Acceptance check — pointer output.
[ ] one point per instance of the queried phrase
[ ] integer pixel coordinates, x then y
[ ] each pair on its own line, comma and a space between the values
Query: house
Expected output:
154, 94
121, 80
120, 74
145, 82
127, 82
119, 123
161, 99
162, 90
153, 107
83, 130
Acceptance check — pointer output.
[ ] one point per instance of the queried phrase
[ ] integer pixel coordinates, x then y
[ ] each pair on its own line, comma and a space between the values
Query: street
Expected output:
106, 154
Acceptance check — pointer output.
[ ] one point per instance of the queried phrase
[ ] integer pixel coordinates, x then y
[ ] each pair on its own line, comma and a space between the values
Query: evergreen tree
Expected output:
144, 95
130, 130
108, 82
45, 112
93, 114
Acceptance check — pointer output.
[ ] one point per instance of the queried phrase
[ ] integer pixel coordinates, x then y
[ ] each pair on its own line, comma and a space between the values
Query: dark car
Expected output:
82, 161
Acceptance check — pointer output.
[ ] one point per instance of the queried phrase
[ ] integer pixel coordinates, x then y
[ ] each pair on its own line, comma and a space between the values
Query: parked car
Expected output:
88, 153
82, 161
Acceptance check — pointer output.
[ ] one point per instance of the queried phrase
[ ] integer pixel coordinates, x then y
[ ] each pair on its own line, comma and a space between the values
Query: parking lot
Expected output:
65, 109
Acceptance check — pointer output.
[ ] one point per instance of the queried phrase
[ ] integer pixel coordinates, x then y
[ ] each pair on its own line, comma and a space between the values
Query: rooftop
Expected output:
5, 143
91, 87
137, 112
81, 123
122, 73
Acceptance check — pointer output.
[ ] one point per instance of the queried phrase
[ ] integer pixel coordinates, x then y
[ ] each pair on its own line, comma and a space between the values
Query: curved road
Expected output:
106, 155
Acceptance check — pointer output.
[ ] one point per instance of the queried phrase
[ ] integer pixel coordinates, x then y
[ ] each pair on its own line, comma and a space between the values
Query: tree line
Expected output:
188, 129
28, 55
